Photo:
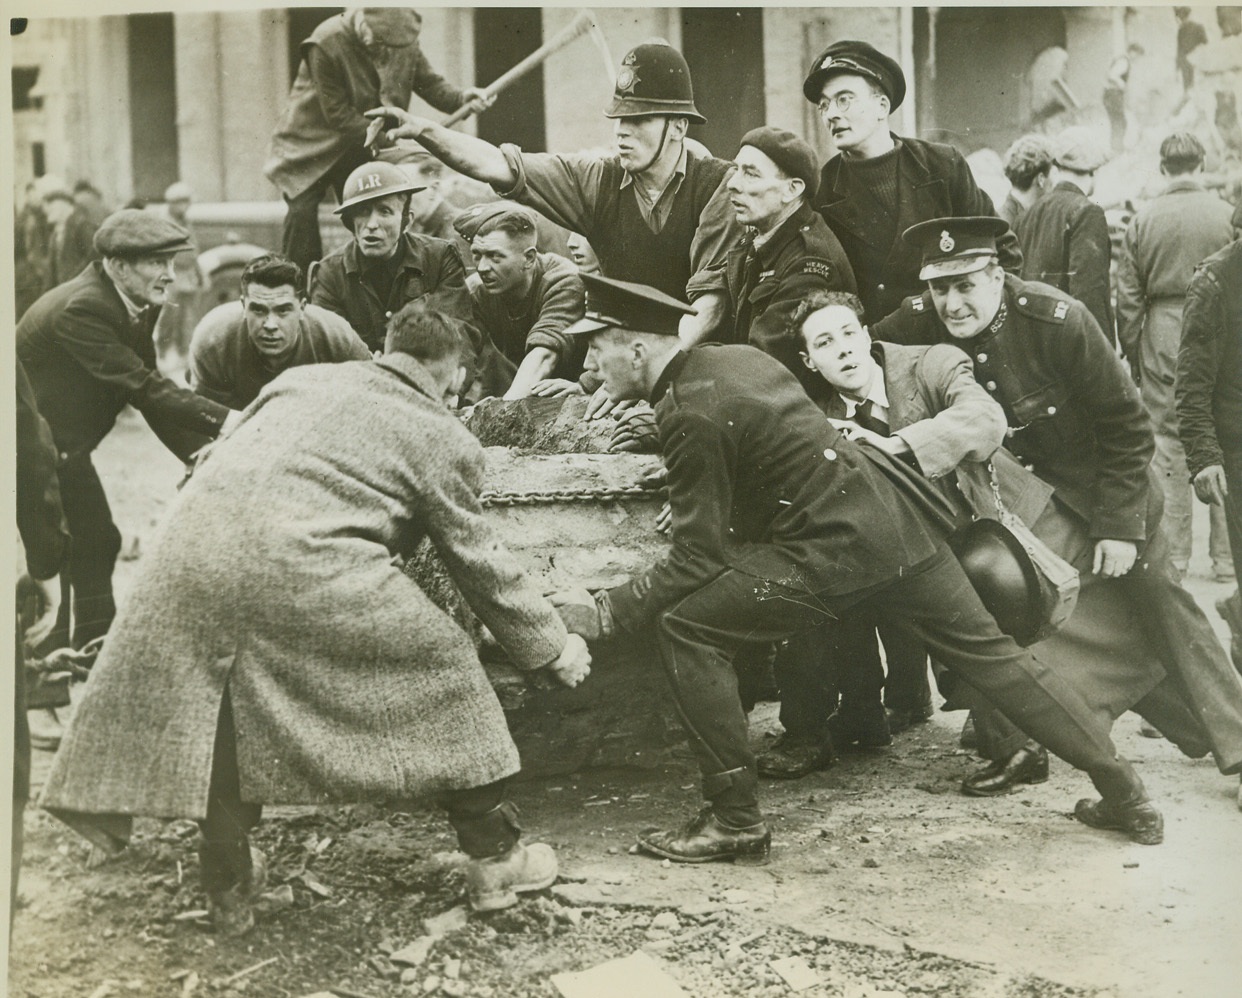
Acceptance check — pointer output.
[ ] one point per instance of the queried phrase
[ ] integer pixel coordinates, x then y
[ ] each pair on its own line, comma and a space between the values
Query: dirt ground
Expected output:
883, 881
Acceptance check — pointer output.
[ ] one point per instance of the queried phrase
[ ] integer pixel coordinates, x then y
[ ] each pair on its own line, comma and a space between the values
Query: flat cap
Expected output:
793, 155
952, 246
483, 218
396, 27
1079, 148
613, 304
133, 232
862, 60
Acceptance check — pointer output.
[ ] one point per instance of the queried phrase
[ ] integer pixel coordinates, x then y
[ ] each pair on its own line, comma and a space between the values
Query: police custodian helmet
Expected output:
654, 79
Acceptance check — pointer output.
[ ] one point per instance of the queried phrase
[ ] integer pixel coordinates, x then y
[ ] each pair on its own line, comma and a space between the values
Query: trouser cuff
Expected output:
734, 796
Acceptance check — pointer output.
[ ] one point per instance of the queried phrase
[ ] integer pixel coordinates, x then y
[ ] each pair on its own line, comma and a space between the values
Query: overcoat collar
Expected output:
411, 372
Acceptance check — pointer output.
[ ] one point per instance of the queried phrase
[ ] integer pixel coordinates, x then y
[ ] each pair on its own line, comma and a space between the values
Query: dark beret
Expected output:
478, 217
860, 59
790, 153
133, 232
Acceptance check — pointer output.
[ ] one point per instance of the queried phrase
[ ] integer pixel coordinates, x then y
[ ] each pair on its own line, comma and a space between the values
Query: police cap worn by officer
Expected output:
654, 79
1079, 148
480, 219
952, 246
133, 233
794, 156
613, 304
375, 180
860, 59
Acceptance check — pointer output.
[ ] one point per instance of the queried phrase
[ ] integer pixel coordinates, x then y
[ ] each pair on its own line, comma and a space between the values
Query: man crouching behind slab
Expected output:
273, 652
780, 522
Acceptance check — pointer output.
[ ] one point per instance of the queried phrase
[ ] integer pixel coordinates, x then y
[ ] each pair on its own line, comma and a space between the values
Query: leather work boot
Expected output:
791, 759
494, 882
230, 909
864, 728
704, 839
902, 719
1138, 819
1028, 765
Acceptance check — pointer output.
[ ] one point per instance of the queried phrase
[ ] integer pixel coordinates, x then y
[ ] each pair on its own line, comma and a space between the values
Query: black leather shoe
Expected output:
900, 719
790, 759
704, 839
1138, 819
1024, 766
864, 729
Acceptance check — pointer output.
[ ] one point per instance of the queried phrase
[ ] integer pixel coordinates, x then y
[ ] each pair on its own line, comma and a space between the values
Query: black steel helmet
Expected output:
654, 79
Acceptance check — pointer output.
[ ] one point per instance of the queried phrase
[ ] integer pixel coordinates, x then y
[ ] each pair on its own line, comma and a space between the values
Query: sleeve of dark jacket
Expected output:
168, 408
1131, 297
40, 518
328, 286
700, 457
1096, 378
434, 88
563, 304
488, 576
334, 96
1198, 360
1089, 254
969, 199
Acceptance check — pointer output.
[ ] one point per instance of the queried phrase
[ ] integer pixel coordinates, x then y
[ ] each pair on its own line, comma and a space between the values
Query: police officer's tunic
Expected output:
1075, 417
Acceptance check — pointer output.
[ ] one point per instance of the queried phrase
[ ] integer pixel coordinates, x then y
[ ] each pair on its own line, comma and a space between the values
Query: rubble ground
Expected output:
884, 881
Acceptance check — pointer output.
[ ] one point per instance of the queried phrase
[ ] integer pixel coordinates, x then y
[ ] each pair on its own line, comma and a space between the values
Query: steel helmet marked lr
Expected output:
375, 180
654, 79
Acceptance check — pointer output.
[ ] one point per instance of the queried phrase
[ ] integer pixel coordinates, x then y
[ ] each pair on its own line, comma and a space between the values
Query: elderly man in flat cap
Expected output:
1076, 419
879, 184
240, 346
656, 212
351, 62
780, 523
523, 300
88, 350
1064, 235
787, 252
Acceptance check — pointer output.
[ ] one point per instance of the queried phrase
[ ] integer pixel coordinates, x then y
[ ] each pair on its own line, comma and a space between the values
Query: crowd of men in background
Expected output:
1117, 390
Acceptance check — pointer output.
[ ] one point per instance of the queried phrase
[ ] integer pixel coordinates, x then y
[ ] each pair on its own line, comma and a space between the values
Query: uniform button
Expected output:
990, 386
64, 456
830, 454
1052, 410
982, 358
387, 315
879, 287
1022, 300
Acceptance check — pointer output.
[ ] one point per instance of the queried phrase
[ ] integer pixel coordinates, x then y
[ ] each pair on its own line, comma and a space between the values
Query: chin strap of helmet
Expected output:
659, 149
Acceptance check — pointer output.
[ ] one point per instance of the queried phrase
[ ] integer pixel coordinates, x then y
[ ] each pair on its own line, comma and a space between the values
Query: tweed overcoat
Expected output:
278, 572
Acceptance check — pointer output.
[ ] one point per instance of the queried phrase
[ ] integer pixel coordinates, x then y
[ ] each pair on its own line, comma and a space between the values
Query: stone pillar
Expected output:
232, 84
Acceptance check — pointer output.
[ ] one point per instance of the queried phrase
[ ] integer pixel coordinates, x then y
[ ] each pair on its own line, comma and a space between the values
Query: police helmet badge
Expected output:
627, 79
946, 242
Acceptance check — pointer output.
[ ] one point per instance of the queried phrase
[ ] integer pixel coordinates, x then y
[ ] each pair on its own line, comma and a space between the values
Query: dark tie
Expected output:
865, 417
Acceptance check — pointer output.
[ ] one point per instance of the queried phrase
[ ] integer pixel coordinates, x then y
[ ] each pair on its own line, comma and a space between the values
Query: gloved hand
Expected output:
636, 431
584, 614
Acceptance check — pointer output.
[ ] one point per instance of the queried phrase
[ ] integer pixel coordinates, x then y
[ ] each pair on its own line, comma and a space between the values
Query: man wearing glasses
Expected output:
879, 184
